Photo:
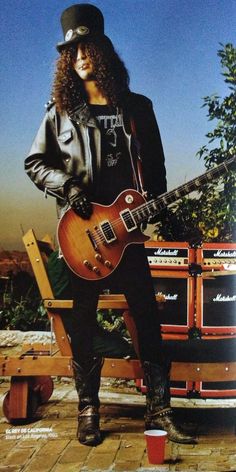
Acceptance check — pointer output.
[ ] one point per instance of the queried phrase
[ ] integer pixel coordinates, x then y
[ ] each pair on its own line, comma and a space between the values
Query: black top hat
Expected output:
79, 22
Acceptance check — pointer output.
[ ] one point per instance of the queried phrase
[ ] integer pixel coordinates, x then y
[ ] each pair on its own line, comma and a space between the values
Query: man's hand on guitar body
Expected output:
78, 200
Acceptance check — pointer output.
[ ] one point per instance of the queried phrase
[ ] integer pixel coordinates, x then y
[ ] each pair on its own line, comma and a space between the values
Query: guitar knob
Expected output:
87, 264
98, 257
108, 264
96, 270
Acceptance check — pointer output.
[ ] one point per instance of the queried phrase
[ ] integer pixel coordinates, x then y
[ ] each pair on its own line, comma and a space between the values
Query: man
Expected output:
91, 144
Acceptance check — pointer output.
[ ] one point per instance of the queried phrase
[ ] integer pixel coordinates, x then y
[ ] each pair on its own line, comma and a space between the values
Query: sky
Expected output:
170, 50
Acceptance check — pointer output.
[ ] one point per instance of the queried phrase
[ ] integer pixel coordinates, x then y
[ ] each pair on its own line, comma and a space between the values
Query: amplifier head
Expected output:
219, 256
169, 255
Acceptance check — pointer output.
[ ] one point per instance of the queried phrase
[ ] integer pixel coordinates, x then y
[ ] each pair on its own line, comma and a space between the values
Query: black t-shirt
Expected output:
116, 167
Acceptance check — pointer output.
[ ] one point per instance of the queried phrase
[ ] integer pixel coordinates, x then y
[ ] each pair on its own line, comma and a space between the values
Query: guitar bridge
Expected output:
91, 239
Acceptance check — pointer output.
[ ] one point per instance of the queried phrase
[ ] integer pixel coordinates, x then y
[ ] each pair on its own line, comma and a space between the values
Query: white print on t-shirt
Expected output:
111, 121
113, 137
112, 159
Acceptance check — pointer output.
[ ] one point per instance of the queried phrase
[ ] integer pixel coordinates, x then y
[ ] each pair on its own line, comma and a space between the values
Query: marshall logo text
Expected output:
166, 252
222, 298
222, 253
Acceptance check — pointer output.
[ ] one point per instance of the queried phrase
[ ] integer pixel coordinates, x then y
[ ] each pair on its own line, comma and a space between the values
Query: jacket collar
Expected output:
82, 115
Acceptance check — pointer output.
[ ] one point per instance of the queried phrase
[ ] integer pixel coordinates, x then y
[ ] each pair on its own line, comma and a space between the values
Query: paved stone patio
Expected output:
49, 444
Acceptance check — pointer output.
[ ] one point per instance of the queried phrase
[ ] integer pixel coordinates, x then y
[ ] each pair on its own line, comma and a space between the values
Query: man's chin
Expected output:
88, 77
91, 77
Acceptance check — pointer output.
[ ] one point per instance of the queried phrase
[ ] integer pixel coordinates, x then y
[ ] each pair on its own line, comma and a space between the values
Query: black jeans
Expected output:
132, 278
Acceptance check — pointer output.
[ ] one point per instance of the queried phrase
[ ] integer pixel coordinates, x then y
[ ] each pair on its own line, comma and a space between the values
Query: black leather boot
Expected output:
87, 382
159, 413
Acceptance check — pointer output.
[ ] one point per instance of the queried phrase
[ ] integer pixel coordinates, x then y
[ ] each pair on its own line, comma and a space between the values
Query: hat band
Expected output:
80, 31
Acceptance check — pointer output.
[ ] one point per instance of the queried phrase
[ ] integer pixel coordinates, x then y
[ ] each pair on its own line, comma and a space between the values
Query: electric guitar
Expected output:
93, 248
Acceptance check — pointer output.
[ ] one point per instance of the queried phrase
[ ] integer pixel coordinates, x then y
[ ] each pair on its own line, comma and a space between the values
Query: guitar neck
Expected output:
142, 213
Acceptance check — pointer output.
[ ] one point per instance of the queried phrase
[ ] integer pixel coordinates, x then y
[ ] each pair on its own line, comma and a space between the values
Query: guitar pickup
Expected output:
128, 220
107, 231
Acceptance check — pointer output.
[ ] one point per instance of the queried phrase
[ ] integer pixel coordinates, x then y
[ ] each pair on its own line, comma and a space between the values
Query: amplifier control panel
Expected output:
217, 256
168, 255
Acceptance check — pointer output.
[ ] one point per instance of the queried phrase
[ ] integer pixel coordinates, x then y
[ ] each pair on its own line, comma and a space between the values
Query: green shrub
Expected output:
22, 307
25, 315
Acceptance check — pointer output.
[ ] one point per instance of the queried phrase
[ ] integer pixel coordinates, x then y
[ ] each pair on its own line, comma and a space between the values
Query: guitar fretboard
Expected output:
154, 206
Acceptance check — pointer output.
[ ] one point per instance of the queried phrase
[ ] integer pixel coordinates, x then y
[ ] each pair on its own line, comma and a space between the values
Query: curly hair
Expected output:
110, 73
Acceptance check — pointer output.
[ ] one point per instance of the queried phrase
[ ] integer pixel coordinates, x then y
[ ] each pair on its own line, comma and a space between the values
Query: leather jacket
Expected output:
70, 146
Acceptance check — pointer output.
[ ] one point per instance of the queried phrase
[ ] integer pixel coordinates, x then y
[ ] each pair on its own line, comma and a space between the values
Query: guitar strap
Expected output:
139, 160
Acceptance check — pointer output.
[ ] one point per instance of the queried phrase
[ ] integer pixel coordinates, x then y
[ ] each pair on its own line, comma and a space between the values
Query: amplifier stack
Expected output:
169, 263
199, 289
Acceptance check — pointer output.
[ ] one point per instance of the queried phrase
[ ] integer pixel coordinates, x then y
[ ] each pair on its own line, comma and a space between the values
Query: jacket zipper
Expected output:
90, 163
136, 180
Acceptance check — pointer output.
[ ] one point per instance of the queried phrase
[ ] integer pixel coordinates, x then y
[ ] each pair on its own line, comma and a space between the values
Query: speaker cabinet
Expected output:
177, 311
178, 389
216, 303
216, 389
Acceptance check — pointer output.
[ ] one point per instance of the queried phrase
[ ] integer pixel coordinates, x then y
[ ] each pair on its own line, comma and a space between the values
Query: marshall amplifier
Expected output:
216, 303
216, 389
169, 255
177, 389
217, 256
222, 350
176, 288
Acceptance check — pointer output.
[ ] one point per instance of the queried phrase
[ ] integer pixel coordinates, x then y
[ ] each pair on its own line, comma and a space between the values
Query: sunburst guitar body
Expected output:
93, 248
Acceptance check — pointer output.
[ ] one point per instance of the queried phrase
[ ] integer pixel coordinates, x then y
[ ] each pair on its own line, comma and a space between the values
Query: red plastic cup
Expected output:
155, 440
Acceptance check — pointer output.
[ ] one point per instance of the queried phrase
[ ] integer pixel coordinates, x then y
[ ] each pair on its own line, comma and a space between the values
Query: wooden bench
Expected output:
31, 370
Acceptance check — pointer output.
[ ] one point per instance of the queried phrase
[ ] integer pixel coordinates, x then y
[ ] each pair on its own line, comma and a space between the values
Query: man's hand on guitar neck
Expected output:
78, 200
